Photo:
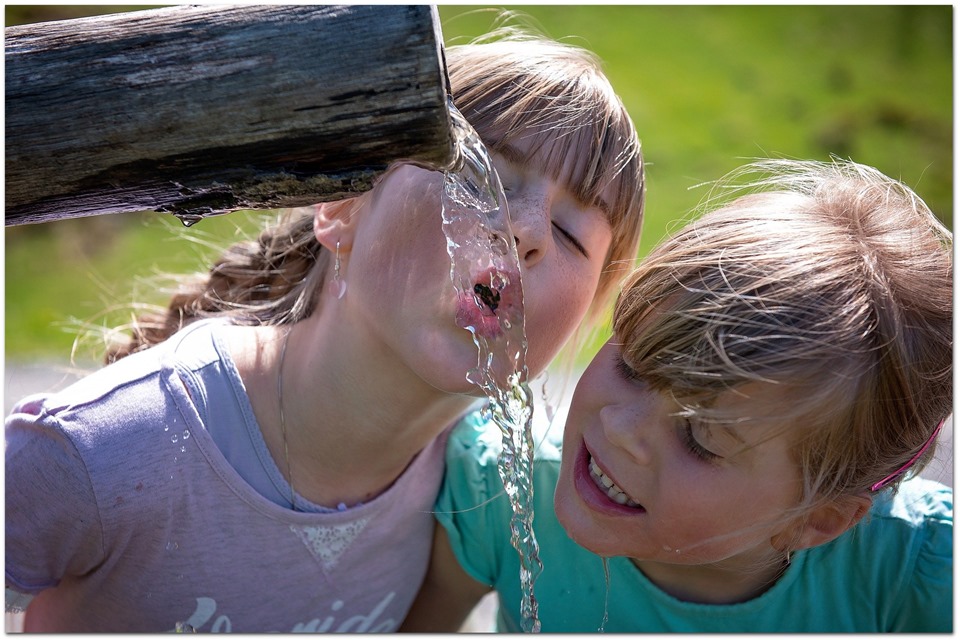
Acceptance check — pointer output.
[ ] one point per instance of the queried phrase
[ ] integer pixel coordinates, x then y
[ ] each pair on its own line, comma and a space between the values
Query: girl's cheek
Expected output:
587, 293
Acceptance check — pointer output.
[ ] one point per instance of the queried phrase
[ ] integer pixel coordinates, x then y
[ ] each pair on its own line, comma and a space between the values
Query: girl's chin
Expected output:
580, 528
453, 382
449, 374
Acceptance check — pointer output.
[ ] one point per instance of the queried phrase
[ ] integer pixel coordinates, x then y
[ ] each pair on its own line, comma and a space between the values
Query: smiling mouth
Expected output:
608, 486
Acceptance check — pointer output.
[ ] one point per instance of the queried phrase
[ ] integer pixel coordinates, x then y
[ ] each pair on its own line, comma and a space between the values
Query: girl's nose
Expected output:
530, 219
627, 429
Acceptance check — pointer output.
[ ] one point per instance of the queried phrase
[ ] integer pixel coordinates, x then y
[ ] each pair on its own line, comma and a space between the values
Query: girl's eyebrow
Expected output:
515, 157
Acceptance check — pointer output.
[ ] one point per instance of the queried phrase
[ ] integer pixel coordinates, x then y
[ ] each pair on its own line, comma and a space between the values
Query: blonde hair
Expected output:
830, 279
508, 85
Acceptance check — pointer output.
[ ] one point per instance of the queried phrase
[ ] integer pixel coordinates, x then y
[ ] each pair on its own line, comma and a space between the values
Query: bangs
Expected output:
554, 99
704, 315
586, 157
699, 348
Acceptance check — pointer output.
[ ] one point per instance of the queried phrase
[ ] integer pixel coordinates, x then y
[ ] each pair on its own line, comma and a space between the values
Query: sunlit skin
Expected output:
398, 273
711, 499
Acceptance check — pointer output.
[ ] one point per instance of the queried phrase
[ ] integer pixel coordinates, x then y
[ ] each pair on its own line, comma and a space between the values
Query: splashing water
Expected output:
485, 271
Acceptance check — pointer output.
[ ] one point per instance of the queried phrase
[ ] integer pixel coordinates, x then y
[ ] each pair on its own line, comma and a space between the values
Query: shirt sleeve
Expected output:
928, 598
52, 523
472, 505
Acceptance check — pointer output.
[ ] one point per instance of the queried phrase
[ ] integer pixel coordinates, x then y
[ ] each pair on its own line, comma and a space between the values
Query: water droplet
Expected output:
174, 438
474, 377
188, 219
172, 546
500, 246
186, 434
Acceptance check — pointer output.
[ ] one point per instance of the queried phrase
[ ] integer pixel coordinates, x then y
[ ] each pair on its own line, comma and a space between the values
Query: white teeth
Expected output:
613, 492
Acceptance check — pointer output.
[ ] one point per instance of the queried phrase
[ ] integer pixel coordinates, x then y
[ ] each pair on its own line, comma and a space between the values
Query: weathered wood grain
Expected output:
210, 109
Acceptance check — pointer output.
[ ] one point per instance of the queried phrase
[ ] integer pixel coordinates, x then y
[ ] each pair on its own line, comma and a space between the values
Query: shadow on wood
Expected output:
204, 110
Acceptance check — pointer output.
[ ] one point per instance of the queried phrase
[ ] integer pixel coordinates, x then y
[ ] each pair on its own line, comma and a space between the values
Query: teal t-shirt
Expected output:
892, 572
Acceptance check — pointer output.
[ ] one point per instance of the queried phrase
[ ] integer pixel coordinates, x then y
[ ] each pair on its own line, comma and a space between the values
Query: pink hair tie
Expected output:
893, 476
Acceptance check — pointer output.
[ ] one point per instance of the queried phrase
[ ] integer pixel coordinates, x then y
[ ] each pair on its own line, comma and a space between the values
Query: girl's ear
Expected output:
824, 523
335, 222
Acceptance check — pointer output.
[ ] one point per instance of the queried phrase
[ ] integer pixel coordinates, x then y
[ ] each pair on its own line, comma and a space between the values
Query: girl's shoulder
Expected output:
117, 401
900, 557
128, 376
916, 501
913, 520
474, 437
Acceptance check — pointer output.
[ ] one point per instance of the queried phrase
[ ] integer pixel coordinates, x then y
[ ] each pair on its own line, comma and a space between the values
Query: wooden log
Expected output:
204, 110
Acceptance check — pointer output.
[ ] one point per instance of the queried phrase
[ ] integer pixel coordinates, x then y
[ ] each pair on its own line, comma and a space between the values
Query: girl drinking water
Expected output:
267, 456
741, 455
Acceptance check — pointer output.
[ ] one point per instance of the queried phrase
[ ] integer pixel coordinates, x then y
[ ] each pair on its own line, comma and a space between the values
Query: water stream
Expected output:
485, 271
606, 595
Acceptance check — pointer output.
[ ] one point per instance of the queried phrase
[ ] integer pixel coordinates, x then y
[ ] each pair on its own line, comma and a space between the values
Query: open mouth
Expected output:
488, 296
609, 487
495, 297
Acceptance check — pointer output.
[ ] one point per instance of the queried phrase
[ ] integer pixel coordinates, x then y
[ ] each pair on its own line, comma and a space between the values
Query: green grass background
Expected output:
707, 86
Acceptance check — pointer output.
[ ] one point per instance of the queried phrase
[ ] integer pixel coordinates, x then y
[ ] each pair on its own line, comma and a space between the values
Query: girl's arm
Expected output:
447, 595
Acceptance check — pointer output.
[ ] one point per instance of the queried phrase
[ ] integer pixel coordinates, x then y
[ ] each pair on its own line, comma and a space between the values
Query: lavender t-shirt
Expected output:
123, 514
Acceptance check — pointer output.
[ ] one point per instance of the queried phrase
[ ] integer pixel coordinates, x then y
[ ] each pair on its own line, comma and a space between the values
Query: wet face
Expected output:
638, 480
399, 270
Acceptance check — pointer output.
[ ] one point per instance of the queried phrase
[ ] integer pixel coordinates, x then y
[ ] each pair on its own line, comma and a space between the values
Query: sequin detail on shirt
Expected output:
327, 544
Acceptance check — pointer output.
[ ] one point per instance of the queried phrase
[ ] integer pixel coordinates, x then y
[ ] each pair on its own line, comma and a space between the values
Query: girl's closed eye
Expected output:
571, 239
694, 447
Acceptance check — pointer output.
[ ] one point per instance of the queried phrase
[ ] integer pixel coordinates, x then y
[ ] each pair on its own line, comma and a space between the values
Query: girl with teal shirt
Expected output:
741, 456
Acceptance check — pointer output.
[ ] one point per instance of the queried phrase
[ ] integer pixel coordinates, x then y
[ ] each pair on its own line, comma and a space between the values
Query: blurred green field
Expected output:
708, 87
